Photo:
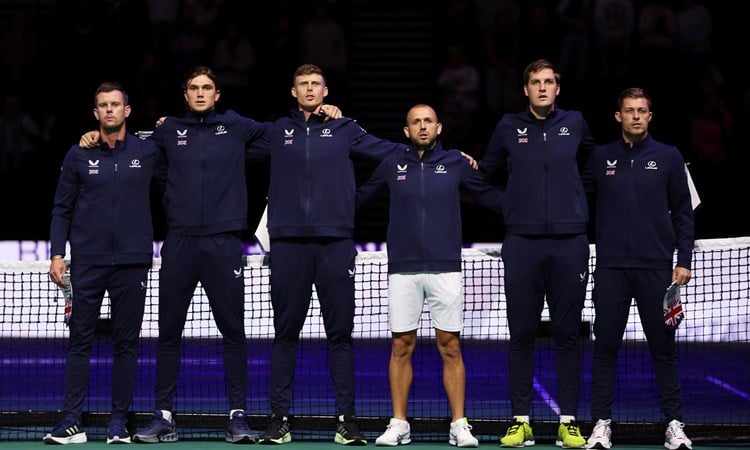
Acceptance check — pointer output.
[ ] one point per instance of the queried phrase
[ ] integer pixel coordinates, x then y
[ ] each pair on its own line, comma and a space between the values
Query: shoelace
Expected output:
157, 420
239, 421
69, 422
349, 427
675, 430
514, 428
117, 425
572, 429
601, 429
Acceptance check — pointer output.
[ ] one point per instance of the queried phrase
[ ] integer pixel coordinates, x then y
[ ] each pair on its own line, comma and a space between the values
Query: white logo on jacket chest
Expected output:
220, 129
288, 136
611, 166
523, 135
401, 172
135, 164
326, 133
93, 167
182, 137
440, 168
651, 165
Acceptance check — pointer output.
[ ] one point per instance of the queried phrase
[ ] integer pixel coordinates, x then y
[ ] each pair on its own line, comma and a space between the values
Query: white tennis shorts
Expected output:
442, 291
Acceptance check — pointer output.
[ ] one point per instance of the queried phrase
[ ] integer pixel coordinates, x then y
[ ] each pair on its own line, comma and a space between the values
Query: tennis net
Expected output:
712, 343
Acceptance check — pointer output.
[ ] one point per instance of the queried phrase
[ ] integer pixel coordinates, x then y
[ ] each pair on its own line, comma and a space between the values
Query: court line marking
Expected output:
728, 387
546, 396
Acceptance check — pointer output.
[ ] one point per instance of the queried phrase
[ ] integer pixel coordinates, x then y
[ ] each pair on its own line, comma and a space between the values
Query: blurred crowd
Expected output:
681, 51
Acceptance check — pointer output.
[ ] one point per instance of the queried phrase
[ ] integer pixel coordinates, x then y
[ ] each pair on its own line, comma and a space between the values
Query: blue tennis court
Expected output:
713, 343
33, 383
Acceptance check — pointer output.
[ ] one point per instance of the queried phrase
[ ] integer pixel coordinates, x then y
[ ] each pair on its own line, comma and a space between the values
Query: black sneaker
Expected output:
238, 432
68, 431
347, 432
278, 431
158, 429
117, 432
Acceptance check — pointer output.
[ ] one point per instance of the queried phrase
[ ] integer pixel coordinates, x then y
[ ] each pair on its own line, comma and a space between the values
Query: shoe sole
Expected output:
351, 442
521, 445
79, 438
679, 447
561, 444
406, 441
118, 440
169, 437
240, 438
285, 439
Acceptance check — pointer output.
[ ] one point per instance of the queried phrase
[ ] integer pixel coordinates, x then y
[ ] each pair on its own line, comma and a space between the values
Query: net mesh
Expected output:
712, 343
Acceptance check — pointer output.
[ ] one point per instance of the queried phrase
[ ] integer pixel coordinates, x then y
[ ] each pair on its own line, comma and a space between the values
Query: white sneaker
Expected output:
675, 438
601, 435
398, 432
460, 434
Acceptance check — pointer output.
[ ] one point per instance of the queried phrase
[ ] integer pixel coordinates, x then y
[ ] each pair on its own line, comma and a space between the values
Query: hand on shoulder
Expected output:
89, 139
330, 112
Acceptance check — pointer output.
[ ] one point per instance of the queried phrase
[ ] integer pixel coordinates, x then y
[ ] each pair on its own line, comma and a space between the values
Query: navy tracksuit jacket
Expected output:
545, 251
424, 228
102, 207
643, 214
205, 202
311, 224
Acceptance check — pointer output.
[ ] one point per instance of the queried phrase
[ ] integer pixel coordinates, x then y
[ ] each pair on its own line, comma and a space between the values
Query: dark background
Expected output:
55, 53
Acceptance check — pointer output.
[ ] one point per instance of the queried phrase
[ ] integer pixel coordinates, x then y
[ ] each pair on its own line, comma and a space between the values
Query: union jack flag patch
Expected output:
672, 307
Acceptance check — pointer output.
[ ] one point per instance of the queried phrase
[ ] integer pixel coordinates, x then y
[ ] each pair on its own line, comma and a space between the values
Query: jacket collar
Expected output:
438, 148
636, 145
296, 114
201, 116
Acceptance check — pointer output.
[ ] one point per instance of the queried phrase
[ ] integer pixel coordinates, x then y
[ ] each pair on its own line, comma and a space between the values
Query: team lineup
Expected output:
541, 171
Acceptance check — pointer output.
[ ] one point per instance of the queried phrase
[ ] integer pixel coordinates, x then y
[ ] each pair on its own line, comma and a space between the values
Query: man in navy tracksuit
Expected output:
206, 209
643, 213
424, 240
311, 226
102, 207
541, 152
205, 202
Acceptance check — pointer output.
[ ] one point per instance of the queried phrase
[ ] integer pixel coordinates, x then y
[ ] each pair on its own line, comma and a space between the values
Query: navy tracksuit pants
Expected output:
216, 262
126, 285
555, 269
296, 265
614, 291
